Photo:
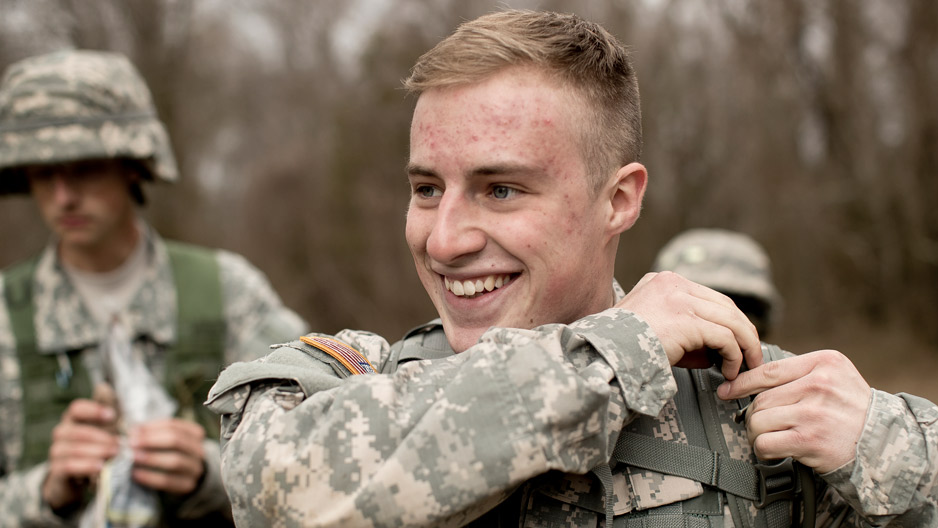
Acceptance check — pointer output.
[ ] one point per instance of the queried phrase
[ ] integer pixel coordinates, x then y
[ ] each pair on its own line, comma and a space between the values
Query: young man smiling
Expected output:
523, 404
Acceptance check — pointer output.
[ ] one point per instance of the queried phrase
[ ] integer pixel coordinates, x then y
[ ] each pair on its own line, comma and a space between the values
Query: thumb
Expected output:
105, 395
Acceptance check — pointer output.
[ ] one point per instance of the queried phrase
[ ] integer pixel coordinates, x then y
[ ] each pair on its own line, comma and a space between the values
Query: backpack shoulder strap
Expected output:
18, 294
427, 341
198, 354
771, 487
198, 292
760, 483
47, 382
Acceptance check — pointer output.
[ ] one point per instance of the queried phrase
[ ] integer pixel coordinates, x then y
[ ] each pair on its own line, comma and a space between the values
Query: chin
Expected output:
461, 339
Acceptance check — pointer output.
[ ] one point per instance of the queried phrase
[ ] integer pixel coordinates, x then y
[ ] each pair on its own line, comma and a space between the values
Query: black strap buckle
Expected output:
777, 481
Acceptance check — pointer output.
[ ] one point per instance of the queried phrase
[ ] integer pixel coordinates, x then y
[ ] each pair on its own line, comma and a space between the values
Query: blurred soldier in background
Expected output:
731, 263
111, 336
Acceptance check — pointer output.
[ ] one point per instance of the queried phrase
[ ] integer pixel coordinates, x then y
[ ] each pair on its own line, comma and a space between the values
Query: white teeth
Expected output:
472, 287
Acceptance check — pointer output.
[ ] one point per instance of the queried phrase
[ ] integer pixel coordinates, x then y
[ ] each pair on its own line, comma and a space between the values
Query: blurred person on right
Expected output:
731, 263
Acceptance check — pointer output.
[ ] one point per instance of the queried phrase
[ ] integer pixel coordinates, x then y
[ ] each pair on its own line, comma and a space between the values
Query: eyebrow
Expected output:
414, 169
417, 170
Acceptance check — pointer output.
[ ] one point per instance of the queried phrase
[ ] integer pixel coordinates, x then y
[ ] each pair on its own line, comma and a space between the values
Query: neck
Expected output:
105, 256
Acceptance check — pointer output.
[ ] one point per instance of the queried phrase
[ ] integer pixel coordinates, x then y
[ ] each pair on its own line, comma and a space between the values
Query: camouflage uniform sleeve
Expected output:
21, 503
894, 478
255, 314
438, 442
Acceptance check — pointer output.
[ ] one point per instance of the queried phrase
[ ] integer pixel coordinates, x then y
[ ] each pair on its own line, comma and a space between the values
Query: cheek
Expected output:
415, 232
45, 203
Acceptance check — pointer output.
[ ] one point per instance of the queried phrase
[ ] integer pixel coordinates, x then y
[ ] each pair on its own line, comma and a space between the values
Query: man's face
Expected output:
86, 204
501, 224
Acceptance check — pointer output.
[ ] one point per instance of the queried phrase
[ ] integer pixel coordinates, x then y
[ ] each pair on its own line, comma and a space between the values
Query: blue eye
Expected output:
427, 191
502, 192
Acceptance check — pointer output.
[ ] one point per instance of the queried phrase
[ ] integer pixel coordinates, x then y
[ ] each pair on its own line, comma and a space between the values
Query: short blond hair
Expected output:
577, 53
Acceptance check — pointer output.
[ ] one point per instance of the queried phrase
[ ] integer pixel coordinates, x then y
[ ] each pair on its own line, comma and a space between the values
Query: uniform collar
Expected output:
64, 323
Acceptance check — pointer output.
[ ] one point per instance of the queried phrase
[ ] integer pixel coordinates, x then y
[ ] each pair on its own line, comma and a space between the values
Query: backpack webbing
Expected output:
192, 363
774, 488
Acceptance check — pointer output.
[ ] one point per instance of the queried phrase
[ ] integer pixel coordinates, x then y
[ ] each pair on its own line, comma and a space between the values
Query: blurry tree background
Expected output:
810, 124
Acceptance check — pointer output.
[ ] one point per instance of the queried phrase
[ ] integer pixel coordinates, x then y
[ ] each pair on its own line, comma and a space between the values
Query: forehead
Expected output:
517, 112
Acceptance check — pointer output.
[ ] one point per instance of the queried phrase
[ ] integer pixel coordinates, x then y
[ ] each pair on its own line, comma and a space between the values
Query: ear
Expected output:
625, 194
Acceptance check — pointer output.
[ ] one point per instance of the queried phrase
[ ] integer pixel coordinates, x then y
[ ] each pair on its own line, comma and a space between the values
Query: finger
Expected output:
767, 376
790, 393
176, 462
75, 467
170, 434
720, 331
729, 315
68, 436
105, 395
76, 450
772, 419
175, 483
90, 412
720, 310
776, 445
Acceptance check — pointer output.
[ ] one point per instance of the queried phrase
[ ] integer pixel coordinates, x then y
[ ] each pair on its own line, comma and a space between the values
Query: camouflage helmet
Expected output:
75, 105
727, 261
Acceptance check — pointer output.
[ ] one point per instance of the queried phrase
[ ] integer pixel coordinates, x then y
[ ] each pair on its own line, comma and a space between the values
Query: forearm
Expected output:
894, 479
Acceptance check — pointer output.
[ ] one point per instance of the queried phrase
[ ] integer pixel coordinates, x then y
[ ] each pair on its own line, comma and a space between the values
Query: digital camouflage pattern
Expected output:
254, 316
77, 105
438, 441
506, 433
724, 260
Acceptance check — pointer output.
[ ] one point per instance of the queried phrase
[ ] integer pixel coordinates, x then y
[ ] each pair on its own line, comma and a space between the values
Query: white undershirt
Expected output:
109, 293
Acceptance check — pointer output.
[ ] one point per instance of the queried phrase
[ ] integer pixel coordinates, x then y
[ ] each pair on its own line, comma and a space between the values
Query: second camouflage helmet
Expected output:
724, 260
76, 105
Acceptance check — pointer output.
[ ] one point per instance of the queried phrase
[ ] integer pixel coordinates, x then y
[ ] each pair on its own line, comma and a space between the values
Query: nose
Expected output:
64, 187
457, 231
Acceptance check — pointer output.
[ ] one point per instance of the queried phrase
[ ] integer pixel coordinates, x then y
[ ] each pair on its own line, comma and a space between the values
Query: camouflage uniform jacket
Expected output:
254, 316
506, 434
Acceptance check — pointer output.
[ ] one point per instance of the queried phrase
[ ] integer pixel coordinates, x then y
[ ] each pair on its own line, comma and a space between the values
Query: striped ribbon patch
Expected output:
352, 359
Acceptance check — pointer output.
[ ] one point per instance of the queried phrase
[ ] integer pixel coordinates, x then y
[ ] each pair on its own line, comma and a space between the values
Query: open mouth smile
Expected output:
475, 287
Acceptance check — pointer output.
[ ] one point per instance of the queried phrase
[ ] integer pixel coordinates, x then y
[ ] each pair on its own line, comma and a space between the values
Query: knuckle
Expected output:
830, 357
761, 448
802, 437
198, 433
759, 402
772, 370
58, 432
